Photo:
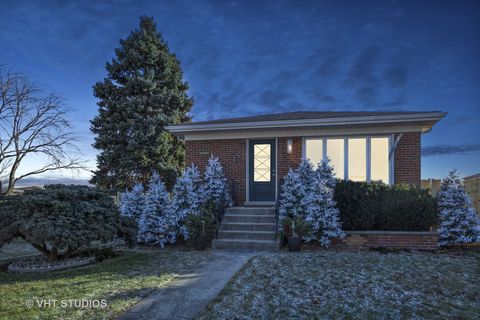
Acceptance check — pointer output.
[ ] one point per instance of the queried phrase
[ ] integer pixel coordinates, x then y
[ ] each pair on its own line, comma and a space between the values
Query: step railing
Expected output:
222, 207
277, 198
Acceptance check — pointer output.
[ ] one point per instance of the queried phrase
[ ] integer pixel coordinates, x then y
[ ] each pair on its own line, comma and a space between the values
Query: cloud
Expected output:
450, 149
396, 76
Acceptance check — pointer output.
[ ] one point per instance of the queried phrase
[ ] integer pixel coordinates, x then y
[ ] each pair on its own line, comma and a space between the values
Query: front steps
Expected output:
247, 228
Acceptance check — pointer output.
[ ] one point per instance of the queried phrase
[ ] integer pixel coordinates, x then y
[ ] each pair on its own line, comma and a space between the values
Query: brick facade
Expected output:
232, 154
407, 159
389, 239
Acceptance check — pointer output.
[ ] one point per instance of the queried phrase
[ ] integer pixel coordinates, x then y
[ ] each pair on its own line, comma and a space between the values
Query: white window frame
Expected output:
345, 155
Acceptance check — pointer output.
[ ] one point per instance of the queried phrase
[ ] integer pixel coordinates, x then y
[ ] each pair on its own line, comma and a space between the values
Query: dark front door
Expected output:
261, 170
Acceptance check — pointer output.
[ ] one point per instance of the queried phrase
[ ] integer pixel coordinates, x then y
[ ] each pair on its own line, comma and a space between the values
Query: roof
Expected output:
309, 119
300, 115
473, 176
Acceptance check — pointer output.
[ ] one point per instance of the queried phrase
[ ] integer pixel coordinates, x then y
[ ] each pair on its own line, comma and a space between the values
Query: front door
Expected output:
261, 172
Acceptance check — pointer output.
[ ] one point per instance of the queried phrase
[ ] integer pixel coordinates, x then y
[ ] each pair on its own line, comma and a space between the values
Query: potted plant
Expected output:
294, 228
294, 241
202, 228
200, 241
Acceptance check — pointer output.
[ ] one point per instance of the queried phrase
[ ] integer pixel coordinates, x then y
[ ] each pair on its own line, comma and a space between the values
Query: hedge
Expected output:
60, 220
376, 206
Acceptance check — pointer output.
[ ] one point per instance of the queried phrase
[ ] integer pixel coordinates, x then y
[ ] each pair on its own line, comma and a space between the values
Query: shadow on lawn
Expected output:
128, 265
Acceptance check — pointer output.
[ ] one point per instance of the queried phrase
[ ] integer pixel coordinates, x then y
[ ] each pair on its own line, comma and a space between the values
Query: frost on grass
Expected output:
365, 285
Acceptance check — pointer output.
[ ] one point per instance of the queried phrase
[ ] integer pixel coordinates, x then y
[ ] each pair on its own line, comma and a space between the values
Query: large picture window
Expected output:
357, 159
353, 158
335, 152
379, 163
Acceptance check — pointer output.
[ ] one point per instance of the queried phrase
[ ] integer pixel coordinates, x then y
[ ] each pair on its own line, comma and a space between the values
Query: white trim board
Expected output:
299, 132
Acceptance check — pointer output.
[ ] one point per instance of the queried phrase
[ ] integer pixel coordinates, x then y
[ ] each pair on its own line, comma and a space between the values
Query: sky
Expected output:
252, 57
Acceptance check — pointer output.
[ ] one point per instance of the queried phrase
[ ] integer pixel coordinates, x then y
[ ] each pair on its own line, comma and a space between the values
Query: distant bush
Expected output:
376, 206
60, 220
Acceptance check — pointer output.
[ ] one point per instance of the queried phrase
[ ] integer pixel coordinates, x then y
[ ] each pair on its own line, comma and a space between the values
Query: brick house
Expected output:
257, 151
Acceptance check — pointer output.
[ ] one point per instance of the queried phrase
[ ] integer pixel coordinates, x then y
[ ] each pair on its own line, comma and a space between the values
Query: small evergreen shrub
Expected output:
377, 206
459, 223
307, 195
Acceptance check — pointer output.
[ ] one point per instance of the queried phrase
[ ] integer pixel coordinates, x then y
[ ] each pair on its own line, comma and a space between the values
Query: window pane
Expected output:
379, 159
357, 159
335, 151
261, 163
314, 150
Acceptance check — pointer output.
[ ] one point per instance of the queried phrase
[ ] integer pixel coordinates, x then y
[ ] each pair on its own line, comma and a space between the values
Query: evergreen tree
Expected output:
154, 225
323, 216
133, 202
307, 174
187, 198
458, 220
325, 172
143, 91
291, 204
309, 193
215, 187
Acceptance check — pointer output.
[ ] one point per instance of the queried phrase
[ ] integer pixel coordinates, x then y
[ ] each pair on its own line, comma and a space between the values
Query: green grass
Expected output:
121, 281
352, 285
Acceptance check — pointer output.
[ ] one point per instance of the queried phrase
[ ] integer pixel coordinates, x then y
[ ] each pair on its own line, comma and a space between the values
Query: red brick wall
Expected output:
389, 239
407, 159
231, 154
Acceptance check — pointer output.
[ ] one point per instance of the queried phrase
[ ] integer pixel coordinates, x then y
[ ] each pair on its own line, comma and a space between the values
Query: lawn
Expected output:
352, 285
121, 281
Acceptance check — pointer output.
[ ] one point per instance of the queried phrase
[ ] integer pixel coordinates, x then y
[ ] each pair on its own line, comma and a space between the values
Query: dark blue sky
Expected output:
247, 57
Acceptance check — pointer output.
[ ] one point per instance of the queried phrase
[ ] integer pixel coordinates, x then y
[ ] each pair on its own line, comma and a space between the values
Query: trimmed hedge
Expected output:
60, 220
376, 206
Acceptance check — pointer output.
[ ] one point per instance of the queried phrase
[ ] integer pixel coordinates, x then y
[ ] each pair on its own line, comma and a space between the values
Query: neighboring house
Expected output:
472, 184
433, 185
257, 151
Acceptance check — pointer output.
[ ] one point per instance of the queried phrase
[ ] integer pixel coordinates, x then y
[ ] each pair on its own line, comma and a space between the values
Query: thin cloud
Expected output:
450, 149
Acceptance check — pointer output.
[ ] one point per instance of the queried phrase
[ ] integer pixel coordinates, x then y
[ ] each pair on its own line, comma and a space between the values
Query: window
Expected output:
357, 159
261, 163
314, 150
379, 167
335, 152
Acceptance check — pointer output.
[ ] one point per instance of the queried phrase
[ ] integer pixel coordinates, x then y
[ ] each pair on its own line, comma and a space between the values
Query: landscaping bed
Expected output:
353, 285
121, 282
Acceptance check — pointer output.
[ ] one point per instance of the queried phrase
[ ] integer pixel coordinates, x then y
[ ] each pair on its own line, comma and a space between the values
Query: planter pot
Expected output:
294, 243
200, 243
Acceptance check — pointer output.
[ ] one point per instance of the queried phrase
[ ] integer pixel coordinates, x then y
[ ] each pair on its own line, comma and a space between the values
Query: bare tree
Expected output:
32, 124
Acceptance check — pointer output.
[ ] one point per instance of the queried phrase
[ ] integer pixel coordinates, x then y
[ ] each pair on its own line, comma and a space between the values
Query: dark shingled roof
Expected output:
300, 115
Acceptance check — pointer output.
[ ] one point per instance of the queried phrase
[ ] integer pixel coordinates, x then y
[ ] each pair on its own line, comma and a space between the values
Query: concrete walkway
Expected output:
188, 294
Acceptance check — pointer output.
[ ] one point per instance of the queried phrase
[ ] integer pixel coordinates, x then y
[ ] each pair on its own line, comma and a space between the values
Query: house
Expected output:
433, 186
257, 151
472, 184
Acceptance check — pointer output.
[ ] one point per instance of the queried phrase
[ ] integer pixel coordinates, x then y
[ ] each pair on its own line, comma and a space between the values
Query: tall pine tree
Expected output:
143, 92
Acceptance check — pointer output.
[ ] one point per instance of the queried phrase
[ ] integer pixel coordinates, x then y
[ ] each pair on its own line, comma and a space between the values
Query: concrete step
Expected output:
249, 218
243, 226
251, 211
259, 245
246, 235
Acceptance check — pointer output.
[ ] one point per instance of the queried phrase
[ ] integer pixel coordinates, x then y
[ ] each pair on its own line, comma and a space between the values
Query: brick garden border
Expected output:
412, 240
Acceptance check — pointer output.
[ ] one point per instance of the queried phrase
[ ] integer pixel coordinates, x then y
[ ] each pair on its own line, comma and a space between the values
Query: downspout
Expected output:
394, 146
390, 156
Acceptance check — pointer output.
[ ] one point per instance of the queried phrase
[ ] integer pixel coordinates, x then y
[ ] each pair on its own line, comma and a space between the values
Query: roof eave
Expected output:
181, 130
